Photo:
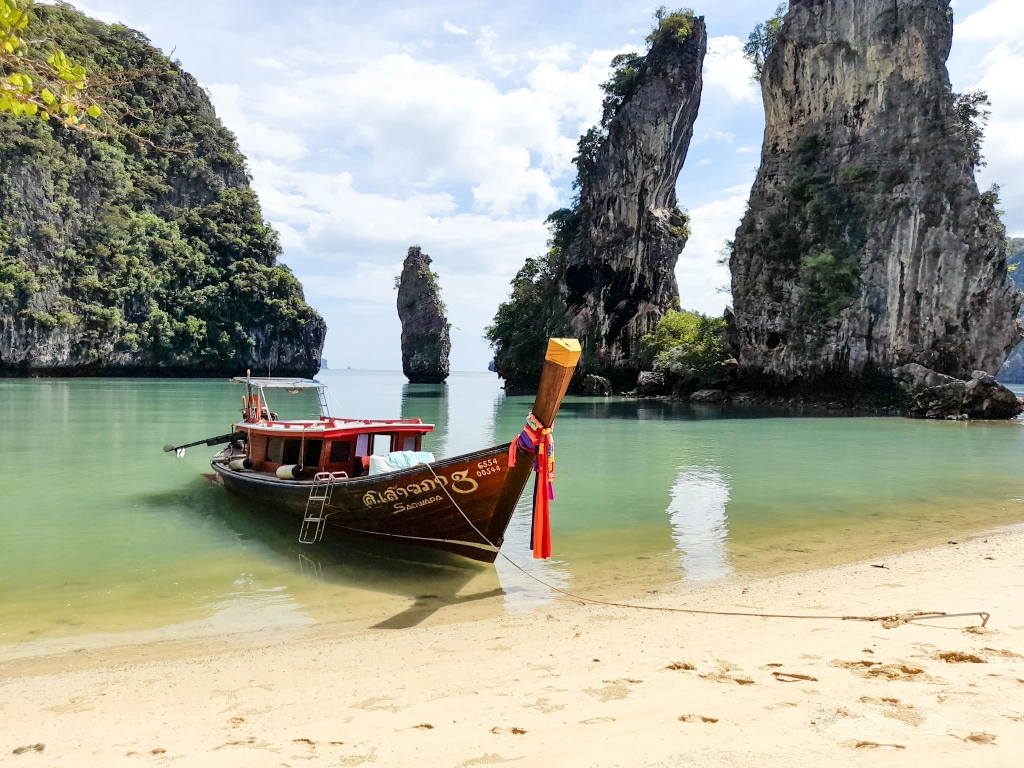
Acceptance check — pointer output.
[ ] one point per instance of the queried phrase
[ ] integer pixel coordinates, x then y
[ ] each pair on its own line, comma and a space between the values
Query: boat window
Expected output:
291, 451
275, 450
312, 455
409, 444
381, 444
362, 445
340, 452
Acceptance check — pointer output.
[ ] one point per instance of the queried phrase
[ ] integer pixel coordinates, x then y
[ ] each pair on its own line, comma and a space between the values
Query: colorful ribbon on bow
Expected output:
538, 439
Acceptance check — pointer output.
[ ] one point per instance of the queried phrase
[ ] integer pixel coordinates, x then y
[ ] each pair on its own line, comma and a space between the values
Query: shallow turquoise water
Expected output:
103, 533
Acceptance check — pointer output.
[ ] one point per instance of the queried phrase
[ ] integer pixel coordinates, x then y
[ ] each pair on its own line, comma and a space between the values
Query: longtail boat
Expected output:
317, 470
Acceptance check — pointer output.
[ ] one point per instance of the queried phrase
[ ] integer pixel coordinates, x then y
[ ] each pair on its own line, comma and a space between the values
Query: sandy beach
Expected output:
572, 684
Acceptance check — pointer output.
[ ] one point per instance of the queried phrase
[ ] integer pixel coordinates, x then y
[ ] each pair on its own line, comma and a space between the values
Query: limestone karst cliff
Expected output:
609, 275
144, 252
867, 245
425, 340
620, 274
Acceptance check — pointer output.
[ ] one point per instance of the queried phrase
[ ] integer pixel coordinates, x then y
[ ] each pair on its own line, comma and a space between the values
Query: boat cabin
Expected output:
326, 444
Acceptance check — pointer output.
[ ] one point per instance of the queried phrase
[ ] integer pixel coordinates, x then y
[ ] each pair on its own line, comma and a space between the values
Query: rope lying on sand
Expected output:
889, 622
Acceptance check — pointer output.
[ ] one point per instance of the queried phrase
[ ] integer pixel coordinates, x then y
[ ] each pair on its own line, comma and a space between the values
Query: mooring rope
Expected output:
889, 622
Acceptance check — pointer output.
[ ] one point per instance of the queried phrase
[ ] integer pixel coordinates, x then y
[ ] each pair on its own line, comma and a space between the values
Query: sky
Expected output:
371, 127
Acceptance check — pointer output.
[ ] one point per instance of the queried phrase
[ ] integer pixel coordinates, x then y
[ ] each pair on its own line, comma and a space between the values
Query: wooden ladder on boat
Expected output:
316, 506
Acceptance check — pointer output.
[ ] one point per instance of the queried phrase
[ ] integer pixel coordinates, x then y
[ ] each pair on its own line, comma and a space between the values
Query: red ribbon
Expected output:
538, 439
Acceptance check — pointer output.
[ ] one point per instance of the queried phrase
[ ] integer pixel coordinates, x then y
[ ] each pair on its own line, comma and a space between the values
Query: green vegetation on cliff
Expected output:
144, 249
762, 39
690, 338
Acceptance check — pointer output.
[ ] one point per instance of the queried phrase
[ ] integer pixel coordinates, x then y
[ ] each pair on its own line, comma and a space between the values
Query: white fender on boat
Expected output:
289, 471
239, 464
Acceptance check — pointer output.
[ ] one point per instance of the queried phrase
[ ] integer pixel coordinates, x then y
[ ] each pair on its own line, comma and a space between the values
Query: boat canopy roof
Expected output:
268, 382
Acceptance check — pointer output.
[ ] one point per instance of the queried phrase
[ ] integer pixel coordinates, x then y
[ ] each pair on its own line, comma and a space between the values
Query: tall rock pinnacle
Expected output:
425, 341
866, 245
620, 272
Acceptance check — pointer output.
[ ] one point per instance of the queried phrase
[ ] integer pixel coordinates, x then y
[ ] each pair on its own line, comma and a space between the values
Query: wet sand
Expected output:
571, 684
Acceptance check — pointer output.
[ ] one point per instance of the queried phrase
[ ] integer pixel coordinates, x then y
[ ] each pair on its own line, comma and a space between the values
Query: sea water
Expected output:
103, 535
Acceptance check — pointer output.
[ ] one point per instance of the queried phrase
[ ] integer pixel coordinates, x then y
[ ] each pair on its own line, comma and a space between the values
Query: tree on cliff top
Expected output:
763, 39
971, 110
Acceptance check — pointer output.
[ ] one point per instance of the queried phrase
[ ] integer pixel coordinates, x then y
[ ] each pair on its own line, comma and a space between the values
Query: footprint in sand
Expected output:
242, 743
959, 657
608, 693
597, 720
491, 758
373, 705
727, 673
889, 671
369, 757
697, 719
895, 709
979, 631
29, 748
723, 677
978, 738
792, 677
1004, 653
897, 672
544, 706
871, 745
681, 665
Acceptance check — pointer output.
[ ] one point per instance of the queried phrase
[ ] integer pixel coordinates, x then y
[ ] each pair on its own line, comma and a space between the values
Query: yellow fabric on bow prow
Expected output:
563, 352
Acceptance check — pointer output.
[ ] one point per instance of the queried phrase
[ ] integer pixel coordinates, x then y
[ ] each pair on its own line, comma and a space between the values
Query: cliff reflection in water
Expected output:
700, 524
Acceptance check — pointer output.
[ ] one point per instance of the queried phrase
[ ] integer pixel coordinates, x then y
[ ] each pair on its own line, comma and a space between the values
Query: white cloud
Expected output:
454, 30
498, 61
256, 139
1003, 148
435, 124
999, 20
327, 217
96, 13
270, 62
561, 52
700, 276
726, 69
994, 35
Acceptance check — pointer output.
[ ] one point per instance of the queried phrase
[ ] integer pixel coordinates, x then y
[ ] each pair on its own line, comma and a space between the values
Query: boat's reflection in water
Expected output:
700, 524
353, 579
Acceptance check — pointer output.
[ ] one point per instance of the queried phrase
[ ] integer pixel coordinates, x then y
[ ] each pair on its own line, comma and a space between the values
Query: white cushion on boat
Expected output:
396, 460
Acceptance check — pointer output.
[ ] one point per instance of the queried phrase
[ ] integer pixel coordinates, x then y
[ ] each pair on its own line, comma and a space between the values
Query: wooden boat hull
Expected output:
410, 506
